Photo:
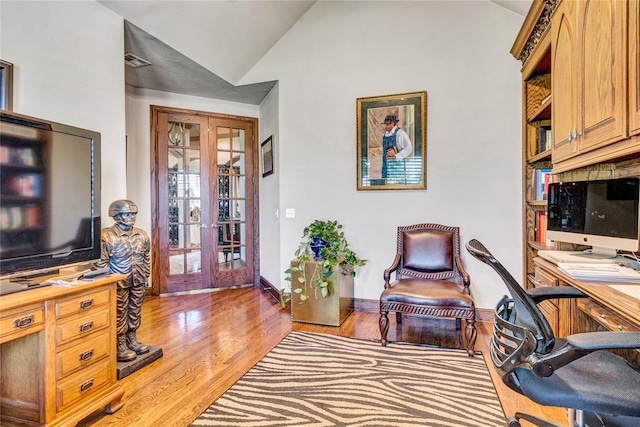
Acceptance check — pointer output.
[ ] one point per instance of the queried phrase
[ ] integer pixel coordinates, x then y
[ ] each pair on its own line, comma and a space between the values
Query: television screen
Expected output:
49, 194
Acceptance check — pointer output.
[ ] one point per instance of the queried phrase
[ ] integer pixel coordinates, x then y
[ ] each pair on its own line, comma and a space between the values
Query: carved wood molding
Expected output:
539, 29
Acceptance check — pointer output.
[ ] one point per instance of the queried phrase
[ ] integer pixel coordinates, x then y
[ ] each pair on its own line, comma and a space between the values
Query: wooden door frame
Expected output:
155, 186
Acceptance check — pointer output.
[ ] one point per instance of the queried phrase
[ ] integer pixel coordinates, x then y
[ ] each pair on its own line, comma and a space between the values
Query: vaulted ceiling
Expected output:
204, 48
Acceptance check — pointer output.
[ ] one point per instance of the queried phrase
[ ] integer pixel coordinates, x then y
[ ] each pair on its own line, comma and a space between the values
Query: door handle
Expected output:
214, 225
203, 225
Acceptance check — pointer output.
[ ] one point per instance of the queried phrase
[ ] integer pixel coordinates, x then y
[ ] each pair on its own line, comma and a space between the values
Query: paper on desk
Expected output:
608, 272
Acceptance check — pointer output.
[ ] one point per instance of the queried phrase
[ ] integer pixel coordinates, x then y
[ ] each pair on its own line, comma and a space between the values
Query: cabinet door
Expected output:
602, 75
634, 67
563, 81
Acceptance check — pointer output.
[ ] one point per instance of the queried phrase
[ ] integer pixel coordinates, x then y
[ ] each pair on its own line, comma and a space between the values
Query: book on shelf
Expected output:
543, 135
541, 227
540, 183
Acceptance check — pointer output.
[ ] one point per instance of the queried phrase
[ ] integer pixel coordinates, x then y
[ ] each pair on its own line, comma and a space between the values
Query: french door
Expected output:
203, 224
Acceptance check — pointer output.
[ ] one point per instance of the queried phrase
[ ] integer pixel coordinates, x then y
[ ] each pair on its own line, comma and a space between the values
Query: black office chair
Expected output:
598, 387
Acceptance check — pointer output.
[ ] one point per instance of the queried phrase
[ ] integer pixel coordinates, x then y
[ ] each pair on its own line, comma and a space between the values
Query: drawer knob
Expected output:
86, 304
86, 386
85, 327
85, 355
602, 317
23, 322
620, 327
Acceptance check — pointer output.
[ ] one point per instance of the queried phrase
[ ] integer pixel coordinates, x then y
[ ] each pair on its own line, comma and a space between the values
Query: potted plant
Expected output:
321, 258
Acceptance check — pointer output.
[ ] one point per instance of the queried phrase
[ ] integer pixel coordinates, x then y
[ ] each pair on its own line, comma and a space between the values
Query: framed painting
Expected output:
392, 142
266, 151
6, 85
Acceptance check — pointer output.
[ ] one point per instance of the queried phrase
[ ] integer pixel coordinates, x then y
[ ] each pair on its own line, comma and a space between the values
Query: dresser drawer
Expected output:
603, 316
86, 353
81, 303
544, 279
21, 321
83, 384
81, 326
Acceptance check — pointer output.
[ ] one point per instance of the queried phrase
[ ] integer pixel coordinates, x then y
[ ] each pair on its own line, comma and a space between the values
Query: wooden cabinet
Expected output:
590, 54
634, 68
58, 353
590, 49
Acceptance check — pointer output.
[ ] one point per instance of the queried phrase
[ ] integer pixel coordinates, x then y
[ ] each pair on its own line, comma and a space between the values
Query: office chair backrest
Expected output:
527, 313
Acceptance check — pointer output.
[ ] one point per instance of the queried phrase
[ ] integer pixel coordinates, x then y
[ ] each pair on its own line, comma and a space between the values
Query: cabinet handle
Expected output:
85, 355
620, 328
85, 327
85, 304
575, 134
603, 317
85, 386
23, 322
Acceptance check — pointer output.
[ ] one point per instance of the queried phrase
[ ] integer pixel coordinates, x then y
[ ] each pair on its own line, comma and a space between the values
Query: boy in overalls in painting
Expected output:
396, 145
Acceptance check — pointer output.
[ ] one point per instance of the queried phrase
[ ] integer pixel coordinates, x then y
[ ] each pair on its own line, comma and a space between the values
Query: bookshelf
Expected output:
22, 196
537, 105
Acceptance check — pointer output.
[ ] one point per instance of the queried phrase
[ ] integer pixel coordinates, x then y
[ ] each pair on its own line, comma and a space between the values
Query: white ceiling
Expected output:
204, 47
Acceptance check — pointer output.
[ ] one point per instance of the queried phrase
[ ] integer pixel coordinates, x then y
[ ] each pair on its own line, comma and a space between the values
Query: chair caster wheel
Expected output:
513, 422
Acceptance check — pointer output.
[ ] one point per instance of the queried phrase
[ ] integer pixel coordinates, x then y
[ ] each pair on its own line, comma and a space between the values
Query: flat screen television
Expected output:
49, 195
602, 214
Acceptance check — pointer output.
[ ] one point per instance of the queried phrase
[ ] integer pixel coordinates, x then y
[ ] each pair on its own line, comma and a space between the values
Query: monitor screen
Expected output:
603, 214
49, 194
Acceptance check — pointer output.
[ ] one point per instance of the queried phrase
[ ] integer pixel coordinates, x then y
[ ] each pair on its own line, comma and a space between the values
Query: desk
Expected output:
606, 308
58, 353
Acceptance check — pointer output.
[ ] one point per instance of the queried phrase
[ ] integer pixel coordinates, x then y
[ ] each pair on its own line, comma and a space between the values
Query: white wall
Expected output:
139, 103
269, 193
456, 51
69, 68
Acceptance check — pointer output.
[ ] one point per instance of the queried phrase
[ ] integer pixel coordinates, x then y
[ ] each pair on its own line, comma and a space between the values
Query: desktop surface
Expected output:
13, 286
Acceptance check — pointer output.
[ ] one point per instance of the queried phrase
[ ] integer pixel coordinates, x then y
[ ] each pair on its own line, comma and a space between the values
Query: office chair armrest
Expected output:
578, 345
388, 271
540, 294
604, 340
466, 279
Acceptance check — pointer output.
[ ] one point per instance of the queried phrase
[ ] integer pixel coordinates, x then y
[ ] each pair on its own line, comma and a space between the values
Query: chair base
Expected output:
470, 331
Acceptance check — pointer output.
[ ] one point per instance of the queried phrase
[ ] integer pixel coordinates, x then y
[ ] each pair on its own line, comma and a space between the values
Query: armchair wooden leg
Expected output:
471, 333
384, 327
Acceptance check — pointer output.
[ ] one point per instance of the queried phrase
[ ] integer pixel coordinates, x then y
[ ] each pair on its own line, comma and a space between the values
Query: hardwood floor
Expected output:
210, 339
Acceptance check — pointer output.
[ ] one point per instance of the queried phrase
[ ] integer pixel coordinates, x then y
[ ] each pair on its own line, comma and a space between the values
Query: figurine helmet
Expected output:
122, 206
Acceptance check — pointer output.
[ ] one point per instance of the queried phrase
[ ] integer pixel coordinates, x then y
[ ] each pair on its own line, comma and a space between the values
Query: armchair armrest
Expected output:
466, 279
388, 271
540, 294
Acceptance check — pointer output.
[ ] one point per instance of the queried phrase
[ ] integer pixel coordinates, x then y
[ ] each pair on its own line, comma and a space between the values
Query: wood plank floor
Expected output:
210, 340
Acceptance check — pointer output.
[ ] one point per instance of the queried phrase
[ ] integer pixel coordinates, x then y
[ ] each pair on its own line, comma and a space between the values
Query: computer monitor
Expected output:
601, 214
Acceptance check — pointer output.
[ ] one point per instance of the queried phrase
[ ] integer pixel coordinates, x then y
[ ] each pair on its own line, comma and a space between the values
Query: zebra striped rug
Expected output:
313, 379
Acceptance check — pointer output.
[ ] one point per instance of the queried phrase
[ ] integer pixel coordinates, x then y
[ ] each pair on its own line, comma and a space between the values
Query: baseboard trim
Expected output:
269, 288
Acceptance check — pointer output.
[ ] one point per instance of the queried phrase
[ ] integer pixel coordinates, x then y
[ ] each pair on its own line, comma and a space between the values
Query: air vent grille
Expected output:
135, 61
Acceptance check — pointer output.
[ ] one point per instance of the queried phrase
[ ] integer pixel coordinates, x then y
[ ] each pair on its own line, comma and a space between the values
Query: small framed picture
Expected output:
266, 149
6, 85
392, 142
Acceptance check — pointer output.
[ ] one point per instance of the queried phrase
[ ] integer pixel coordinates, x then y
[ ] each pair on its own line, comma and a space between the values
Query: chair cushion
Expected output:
433, 293
427, 251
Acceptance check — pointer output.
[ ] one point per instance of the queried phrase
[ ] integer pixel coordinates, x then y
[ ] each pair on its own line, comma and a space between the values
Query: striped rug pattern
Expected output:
312, 379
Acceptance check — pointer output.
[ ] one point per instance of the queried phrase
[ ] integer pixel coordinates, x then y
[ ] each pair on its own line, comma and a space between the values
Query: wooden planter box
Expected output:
330, 310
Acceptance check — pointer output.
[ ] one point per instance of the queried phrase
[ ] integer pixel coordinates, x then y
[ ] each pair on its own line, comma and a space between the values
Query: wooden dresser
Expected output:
58, 353
605, 309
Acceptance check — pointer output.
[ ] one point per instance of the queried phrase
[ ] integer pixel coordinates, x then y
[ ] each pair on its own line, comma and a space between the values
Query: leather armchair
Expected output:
429, 280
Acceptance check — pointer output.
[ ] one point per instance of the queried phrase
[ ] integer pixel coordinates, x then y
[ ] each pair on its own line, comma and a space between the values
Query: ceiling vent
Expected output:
135, 61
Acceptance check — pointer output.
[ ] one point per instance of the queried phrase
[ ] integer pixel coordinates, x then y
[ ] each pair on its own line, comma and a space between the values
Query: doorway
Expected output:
204, 200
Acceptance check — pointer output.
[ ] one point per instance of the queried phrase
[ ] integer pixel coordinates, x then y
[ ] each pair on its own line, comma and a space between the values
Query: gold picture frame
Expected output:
6, 85
392, 162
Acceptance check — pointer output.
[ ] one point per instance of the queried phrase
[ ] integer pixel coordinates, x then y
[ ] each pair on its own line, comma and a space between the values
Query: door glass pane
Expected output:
184, 202
231, 198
